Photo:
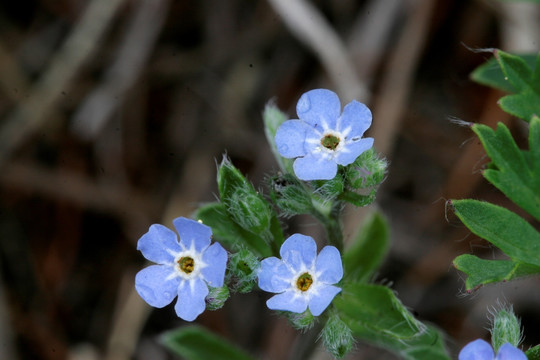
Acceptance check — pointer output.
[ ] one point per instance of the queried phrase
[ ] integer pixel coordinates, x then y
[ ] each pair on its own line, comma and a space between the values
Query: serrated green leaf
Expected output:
512, 174
533, 353
376, 308
197, 343
228, 233
524, 105
490, 73
501, 227
521, 76
481, 272
367, 249
518, 73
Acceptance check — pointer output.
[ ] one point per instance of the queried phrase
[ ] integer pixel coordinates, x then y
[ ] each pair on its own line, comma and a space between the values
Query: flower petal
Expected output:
191, 295
312, 167
287, 301
510, 352
476, 350
355, 116
320, 302
299, 252
290, 137
319, 107
328, 265
216, 259
156, 285
352, 150
193, 233
274, 276
155, 243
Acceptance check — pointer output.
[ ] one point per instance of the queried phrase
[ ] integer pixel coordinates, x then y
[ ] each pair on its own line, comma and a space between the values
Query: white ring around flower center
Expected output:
198, 264
326, 152
312, 290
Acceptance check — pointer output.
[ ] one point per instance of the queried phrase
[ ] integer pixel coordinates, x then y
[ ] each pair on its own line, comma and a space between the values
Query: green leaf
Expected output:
513, 174
273, 118
534, 146
375, 315
377, 309
427, 346
524, 105
197, 343
228, 233
518, 73
501, 227
521, 76
533, 353
481, 272
367, 249
491, 74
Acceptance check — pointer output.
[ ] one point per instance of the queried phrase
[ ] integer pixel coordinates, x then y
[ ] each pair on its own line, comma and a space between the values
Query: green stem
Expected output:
332, 225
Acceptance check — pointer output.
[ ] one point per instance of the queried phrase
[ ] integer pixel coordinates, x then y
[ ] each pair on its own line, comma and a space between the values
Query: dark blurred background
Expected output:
114, 113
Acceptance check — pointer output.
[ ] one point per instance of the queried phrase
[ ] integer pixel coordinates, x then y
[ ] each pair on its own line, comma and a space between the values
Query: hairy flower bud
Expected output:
506, 328
337, 337
216, 297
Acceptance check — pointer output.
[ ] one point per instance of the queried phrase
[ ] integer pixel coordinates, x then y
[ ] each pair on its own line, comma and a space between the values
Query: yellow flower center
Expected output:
330, 141
186, 264
304, 282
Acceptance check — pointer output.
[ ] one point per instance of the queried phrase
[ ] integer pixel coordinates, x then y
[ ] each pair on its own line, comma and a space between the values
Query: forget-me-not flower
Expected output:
481, 350
301, 279
323, 137
185, 269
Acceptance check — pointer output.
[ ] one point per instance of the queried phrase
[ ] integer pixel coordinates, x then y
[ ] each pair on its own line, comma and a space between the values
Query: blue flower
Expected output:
185, 269
324, 137
301, 279
481, 350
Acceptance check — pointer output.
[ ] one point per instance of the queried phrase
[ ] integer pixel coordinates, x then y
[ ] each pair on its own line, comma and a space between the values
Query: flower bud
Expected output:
249, 210
300, 321
506, 328
337, 337
367, 171
245, 206
216, 297
242, 271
